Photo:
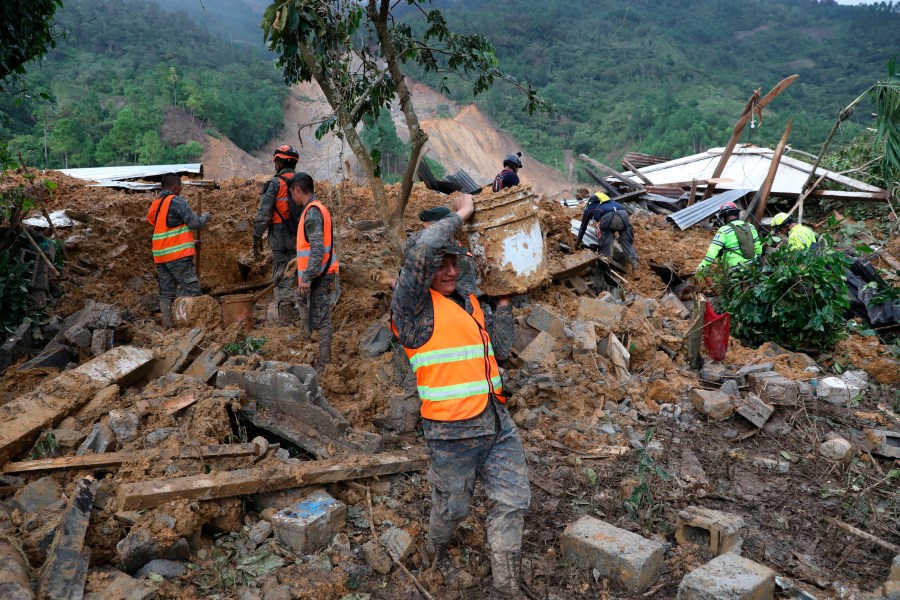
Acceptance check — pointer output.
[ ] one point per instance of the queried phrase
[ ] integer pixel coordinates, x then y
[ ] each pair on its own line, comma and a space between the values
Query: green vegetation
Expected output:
27, 33
110, 82
797, 299
249, 345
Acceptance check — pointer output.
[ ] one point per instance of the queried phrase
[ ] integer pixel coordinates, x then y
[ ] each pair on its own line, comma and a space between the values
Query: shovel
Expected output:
289, 270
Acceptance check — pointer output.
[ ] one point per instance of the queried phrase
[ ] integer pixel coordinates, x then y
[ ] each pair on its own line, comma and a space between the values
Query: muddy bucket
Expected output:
238, 309
505, 237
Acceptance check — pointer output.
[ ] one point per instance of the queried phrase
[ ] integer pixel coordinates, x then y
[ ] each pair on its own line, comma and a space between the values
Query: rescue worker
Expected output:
317, 263
173, 244
454, 344
800, 237
509, 176
735, 243
274, 216
612, 220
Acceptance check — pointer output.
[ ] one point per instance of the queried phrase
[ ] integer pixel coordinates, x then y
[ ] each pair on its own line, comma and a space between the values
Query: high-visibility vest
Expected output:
168, 243
455, 369
801, 237
329, 259
281, 212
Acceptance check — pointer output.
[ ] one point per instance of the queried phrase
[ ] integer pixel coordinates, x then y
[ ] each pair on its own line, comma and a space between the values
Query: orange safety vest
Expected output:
456, 371
168, 243
329, 260
282, 210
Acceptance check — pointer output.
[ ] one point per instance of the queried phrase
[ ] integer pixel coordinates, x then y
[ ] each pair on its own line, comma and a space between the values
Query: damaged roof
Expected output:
105, 174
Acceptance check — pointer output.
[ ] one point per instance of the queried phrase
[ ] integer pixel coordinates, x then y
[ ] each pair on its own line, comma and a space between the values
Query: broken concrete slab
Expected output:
754, 410
270, 385
775, 389
836, 390
375, 341
718, 531
714, 404
542, 319
206, 365
539, 349
728, 577
16, 347
308, 526
747, 370
24, 417
672, 302
77, 327
883, 442
626, 558
174, 358
597, 310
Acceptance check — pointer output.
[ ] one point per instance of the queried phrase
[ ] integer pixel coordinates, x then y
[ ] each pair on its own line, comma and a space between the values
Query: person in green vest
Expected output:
735, 243
800, 237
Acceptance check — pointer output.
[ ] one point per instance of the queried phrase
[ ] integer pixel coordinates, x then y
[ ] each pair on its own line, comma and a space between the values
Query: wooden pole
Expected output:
770, 176
695, 333
610, 171
613, 192
40, 252
635, 170
693, 197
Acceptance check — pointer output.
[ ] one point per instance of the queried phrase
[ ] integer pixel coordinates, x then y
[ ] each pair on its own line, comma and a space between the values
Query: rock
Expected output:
775, 389
646, 306
101, 341
98, 440
167, 569
67, 439
377, 557
626, 558
531, 419
310, 525
584, 337
140, 547
713, 372
375, 341
755, 410
538, 350
158, 435
672, 302
771, 464
124, 424
730, 388
835, 449
835, 390
728, 577
260, 532
713, 404
397, 542
542, 319
16, 346
718, 531
107, 584
755, 368
37, 495
598, 310
54, 356
895, 569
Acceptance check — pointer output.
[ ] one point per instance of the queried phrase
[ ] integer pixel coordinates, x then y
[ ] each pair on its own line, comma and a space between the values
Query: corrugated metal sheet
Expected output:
692, 215
465, 183
101, 174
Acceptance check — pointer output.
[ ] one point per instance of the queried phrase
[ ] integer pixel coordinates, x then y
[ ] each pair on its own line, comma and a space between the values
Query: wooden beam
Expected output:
695, 182
693, 196
635, 170
147, 494
114, 459
695, 333
613, 192
763, 194
610, 171
798, 206
881, 196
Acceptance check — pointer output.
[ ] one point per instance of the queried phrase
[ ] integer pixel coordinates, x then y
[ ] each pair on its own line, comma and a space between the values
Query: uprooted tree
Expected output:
356, 52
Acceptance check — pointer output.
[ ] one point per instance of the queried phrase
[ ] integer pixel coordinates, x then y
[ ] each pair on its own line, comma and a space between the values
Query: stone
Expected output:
626, 558
771, 464
690, 470
715, 405
728, 577
308, 526
538, 350
98, 440
891, 590
545, 320
397, 542
124, 424
755, 368
17, 346
835, 449
775, 389
67, 439
101, 341
167, 569
37, 495
140, 547
377, 557
672, 302
730, 388
54, 356
375, 341
835, 390
646, 306
883, 442
719, 531
158, 436
754, 410
106, 583
260, 532
584, 337
597, 310
713, 372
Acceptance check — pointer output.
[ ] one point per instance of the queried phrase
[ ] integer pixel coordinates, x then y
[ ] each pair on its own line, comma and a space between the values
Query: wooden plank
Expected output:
609, 171
114, 459
147, 494
763, 194
881, 196
65, 571
610, 190
695, 333
693, 197
26, 416
637, 172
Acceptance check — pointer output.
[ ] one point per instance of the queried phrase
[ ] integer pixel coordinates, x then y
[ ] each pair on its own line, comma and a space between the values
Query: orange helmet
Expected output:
286, 152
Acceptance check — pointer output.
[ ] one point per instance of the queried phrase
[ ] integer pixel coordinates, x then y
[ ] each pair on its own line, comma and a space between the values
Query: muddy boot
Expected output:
165, 313
440, 562
324, 350
506, 569
285, 313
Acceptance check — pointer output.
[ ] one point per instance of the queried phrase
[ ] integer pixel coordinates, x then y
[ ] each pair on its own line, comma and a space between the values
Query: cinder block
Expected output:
544, 320
728, 577
308, 526
775, 389
713, 404
883, 442
721, 532
598, 310
626, 558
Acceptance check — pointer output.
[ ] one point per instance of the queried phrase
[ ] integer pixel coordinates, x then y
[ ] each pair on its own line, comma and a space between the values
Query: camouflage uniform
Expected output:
468, 270
178, 273
282, 240
485, 447
315, 307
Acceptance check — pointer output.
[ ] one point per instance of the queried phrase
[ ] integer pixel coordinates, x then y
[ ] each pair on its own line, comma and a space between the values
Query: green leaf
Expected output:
785, 455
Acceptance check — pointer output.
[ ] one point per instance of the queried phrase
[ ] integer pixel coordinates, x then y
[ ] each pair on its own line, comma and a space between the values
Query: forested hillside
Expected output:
110, 79
670, 77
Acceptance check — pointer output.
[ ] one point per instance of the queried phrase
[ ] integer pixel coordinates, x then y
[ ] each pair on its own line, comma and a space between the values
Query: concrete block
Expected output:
377, 557
538, 350
713, 404
16, 346
584, 337
883, 442
835, 390
728, 577
375, 341
597, 310
266, 385
626, 558
755, 368
720, 532
545, 320
754, 410
775, 389
308, 526
398, 542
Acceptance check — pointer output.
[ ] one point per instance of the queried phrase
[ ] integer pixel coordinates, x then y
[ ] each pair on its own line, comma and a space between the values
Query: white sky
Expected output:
855, 1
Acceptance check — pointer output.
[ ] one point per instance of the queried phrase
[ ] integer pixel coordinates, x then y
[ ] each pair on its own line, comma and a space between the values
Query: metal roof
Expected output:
692, 215
747, 166
102, 174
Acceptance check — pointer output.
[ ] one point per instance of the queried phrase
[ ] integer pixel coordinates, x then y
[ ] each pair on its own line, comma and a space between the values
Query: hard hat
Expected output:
728, 207
286, 152
781, 219
512, 160
600, 197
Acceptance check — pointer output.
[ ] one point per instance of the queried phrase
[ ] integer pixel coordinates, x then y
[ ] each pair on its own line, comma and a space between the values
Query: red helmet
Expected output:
286, 152
728, 207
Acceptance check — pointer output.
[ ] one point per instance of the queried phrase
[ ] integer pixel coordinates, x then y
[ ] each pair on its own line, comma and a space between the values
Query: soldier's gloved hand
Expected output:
257, 246
205, 217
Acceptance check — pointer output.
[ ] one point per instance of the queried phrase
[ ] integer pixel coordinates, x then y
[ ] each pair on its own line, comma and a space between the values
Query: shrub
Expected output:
797, 299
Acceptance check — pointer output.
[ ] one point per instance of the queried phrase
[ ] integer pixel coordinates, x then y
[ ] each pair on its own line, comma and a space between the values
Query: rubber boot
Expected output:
440, 561
506, 569
165, 313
